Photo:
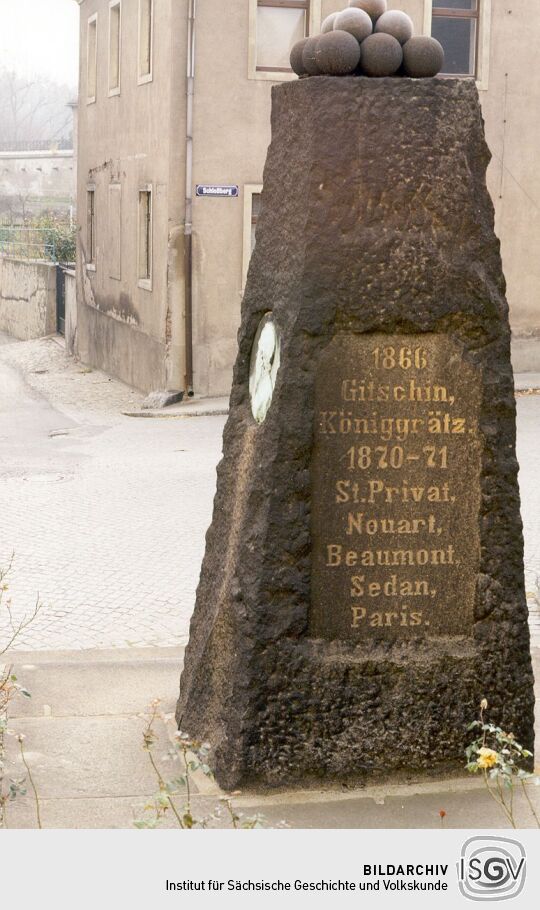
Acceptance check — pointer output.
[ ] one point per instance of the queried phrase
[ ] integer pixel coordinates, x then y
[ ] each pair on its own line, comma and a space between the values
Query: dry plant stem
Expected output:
5, 676
163, 788
148, 739
32, 784
531, 807
17, 630
511, 807
188, 789
3, 814
499, 800
231, 813
9, 690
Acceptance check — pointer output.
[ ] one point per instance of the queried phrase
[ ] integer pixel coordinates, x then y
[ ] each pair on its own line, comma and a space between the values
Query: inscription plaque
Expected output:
395, 488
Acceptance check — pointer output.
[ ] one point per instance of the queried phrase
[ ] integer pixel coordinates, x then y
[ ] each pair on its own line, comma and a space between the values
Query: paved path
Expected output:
107, 514
529, 480
83, 731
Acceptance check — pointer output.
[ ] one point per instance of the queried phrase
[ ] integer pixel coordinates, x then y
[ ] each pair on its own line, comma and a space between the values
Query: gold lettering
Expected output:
327, 425
392, 587
378, 618
422, 557
357, 586
333, 555
357, 521
342, 491
358, 614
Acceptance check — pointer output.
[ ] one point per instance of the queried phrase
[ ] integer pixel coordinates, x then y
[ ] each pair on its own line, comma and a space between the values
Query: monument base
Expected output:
362, 588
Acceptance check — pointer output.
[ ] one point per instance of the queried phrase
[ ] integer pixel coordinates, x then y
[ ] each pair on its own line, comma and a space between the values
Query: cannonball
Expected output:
338, 53
328, 23
308, 56
381, 55
355, 21
373, 8
422, 57
397, 24
297, 63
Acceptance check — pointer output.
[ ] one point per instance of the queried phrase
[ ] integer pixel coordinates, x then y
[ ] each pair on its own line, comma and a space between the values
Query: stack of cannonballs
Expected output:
367, 39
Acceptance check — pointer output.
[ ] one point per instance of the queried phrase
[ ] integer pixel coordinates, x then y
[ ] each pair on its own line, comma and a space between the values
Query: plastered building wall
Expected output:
27, 298
140, 136
132, 141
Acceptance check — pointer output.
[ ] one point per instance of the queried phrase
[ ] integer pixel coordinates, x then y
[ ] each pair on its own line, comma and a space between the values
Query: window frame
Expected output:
482, 15
115, 90
145, 282
250, 190
115, 187
91, 245
278, 74
147, 77
91, 21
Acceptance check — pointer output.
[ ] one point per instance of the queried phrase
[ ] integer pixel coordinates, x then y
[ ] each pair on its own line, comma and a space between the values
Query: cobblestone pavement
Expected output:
106, 514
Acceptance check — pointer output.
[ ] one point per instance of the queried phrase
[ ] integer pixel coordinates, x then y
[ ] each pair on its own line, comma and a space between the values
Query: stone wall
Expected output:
70, 279
27, 298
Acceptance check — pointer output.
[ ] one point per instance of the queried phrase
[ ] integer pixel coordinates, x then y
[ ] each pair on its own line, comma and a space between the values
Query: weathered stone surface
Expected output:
309, 56
297, 57
338, 53
162, 399
374, 8
422, 57
381, 55
328, 23
355, 21
376, 221
397, 24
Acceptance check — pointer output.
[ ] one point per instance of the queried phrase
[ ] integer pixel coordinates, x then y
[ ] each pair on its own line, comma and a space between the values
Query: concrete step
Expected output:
83, 731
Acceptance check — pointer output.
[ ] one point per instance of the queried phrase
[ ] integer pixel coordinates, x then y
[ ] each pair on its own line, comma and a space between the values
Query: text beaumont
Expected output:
338, 556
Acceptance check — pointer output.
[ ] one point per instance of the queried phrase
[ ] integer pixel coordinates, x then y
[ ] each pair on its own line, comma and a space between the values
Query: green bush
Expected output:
59, 238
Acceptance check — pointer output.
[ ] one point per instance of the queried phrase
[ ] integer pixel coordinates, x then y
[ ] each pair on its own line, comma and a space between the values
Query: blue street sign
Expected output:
211, 189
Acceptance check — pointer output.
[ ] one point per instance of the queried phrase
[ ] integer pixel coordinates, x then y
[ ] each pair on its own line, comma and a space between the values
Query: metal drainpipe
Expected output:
188, 224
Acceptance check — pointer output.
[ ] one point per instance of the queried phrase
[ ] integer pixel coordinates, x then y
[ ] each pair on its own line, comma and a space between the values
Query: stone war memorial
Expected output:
362, 588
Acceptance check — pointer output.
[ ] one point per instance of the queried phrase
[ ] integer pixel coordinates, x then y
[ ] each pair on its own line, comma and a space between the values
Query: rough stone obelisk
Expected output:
362, 588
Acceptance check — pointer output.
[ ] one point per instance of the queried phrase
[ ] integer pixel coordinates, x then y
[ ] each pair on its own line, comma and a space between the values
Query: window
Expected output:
455, 23
91, 60
255, 212
114, 47
280, 24
91, 228
146, 35
145, 238
252, 209
114, 245
274, 26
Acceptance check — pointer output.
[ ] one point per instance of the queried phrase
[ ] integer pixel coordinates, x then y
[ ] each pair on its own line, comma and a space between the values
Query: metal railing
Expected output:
27, 243
36, 145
